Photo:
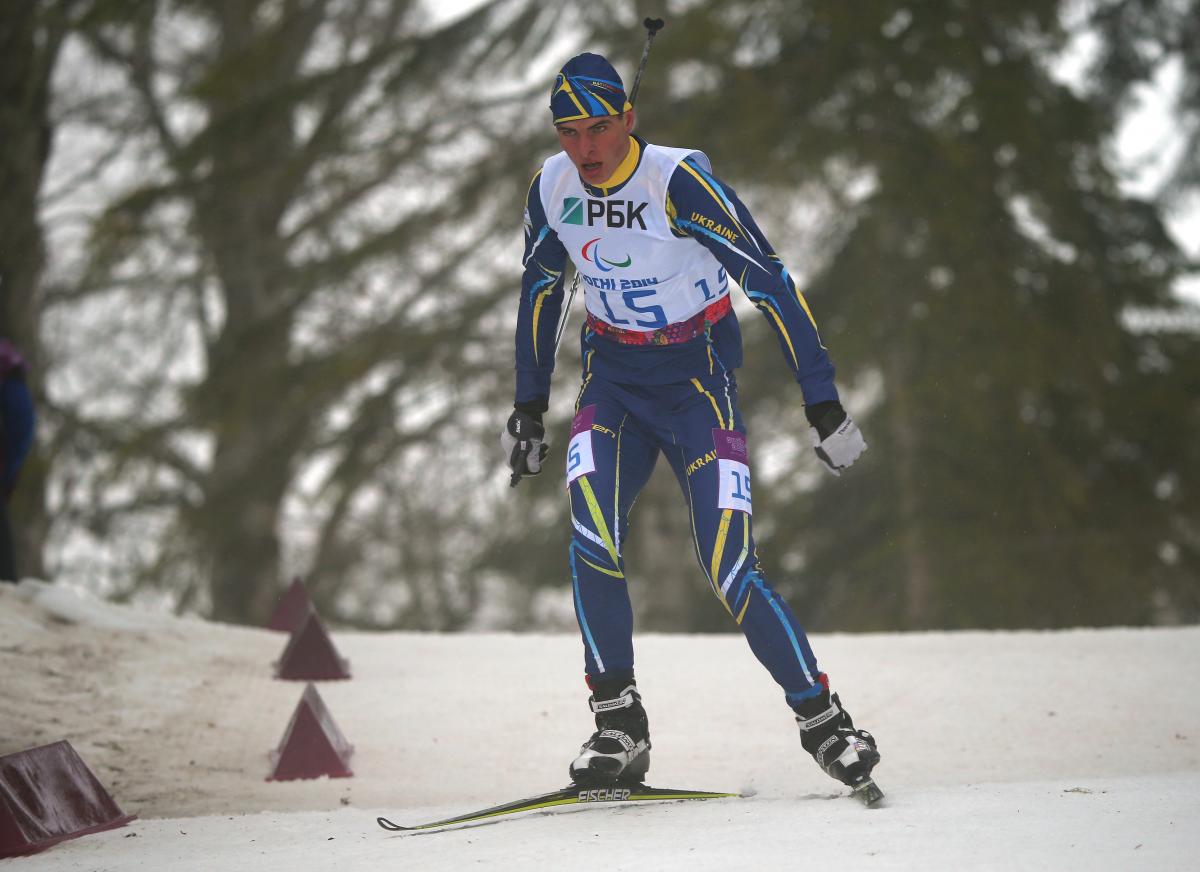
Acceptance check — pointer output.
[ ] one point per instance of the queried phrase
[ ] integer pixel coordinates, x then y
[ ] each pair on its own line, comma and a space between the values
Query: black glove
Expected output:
835, 436
522, 442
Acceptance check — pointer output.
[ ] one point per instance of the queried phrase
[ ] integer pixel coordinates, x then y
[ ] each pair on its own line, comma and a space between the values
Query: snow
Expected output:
1034, 750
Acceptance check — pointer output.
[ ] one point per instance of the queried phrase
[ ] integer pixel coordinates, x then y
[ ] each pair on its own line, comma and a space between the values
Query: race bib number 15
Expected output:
733, 467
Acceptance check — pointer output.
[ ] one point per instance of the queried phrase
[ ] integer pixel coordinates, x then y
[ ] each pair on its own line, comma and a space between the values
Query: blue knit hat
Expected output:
587, 87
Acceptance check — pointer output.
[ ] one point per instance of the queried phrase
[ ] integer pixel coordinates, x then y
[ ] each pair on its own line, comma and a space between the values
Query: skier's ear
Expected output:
630, 120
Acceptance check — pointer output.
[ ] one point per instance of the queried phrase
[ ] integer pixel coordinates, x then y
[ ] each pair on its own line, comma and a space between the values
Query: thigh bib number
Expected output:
733, 468
580, 460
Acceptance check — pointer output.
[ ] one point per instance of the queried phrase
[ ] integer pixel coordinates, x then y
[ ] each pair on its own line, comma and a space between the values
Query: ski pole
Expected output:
562, 323
653, 26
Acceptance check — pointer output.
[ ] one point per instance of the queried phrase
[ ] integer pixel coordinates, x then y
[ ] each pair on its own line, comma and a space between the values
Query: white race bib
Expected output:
636, 273
733, 467
580, 460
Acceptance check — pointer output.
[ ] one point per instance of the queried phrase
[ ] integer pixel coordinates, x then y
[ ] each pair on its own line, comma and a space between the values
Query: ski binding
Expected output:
868, 792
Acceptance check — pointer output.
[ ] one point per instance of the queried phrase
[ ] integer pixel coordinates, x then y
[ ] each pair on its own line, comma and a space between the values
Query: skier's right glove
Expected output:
835, 436
522, 442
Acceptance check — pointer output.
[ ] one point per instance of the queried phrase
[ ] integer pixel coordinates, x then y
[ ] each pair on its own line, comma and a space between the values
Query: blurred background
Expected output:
263, 258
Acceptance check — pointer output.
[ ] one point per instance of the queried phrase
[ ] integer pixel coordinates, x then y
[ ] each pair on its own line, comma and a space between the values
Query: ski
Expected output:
571, 795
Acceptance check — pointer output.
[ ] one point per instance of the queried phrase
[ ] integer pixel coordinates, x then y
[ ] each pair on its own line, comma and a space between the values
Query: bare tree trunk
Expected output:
918, 574
238, 520
245, 400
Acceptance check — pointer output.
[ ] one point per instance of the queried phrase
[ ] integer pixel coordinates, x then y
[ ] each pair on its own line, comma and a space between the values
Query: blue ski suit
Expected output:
668, 388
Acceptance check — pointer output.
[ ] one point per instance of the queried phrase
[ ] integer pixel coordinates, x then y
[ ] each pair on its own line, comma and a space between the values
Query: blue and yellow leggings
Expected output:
616, 437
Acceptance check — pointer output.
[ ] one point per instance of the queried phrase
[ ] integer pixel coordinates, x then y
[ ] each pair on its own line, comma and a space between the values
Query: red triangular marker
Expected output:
293, 607
310, 655
48, 795
312, 745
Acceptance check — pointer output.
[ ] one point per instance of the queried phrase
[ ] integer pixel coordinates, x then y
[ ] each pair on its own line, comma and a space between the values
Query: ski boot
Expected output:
845, 753
619, 750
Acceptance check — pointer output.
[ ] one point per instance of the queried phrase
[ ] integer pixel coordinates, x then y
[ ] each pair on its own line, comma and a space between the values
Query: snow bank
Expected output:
1076, 749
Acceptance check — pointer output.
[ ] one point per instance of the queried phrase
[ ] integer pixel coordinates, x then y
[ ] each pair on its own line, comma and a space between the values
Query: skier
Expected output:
656, 239
16, 436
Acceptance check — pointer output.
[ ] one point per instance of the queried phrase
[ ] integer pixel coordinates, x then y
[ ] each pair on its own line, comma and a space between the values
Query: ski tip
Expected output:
869, 794
390, 826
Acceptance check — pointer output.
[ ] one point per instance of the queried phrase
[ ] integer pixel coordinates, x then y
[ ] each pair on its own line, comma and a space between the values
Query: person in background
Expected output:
17, 422
658, 242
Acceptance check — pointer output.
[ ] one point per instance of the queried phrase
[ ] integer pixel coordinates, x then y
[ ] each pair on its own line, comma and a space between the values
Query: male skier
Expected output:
656, 238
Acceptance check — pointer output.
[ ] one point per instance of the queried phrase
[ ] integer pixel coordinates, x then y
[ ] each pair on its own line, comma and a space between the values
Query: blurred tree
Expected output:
1137, 39
294, 273
1140, 40
291, 338
979, 256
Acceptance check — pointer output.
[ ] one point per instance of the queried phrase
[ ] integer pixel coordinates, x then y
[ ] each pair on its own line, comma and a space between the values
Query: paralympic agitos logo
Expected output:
591, 253
622, 214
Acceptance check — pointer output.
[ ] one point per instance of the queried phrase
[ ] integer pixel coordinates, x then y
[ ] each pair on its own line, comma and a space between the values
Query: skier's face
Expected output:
596, 145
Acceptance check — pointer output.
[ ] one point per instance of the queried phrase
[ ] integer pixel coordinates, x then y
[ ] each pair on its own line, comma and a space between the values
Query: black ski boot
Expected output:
619, 750
845, 753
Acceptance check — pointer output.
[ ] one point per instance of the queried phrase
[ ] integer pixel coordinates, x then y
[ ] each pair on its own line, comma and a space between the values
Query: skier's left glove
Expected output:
522, 442
835, 436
